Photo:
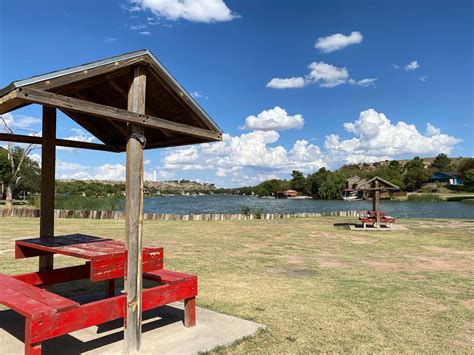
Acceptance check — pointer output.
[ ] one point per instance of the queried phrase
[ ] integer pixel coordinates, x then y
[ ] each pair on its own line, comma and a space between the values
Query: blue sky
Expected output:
364, 80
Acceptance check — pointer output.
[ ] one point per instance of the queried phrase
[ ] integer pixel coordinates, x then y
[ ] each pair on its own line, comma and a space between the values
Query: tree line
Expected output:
326, 184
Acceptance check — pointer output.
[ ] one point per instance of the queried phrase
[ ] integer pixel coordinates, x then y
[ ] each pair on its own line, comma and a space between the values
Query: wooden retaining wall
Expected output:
35, 213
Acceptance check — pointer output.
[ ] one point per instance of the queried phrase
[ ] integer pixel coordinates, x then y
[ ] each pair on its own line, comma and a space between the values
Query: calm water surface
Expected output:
234, 204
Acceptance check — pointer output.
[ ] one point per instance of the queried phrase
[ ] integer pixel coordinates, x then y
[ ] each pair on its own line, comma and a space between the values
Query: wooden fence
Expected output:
34, 213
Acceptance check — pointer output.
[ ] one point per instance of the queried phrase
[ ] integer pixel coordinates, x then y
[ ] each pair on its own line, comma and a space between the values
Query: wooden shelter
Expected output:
130, 103
376, 185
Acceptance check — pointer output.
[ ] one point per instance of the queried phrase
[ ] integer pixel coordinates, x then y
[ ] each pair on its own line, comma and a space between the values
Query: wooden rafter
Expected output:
112, 122
18, 138
76, 105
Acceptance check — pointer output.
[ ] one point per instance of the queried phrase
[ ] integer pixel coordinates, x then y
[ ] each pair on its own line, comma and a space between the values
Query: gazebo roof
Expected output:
383, 185
95, 95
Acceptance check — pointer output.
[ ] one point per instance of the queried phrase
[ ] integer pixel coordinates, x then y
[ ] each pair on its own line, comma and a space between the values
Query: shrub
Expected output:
247, 211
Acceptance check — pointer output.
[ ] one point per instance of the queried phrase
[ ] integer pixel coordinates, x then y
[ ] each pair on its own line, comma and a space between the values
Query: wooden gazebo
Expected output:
130, 103
375, 186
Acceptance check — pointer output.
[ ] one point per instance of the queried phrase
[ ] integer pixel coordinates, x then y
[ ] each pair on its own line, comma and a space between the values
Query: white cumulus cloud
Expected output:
275, 119
337, 41
432, 130
235, 155
286, 83
207, 11
364, 82
377, 138
19, 122
79, 136
412, 66
323, 74
327, 75
68, 170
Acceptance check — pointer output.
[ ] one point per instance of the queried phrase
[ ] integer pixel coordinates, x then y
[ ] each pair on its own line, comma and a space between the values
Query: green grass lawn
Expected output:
317, 287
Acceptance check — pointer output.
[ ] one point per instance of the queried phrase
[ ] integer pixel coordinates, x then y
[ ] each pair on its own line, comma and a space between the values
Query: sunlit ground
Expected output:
317, 287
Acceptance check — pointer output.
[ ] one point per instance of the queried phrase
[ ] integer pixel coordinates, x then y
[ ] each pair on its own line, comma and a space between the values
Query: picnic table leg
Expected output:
110, 292
31, 348
190, 312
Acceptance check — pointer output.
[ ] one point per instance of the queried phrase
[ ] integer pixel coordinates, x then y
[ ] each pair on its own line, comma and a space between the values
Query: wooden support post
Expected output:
190, 312
134, 215
48, 164
377, 204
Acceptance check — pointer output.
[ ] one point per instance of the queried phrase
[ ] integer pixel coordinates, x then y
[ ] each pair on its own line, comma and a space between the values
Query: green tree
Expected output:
394, 165
399, 183
315, 180
271, 187
415, 174
385, 172
298, 182
18, 171
332, 186
352, 170
441, 163
469, 179
465, 165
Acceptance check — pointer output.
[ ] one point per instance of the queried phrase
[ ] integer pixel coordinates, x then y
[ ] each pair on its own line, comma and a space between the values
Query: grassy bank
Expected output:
435, 197
316, 286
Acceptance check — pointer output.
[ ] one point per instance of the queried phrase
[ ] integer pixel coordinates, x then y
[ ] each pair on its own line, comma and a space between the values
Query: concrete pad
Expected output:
163, 333
371, 228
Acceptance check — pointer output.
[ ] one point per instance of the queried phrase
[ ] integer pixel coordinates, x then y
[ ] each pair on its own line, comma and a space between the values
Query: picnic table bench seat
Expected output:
31, 301
374, 220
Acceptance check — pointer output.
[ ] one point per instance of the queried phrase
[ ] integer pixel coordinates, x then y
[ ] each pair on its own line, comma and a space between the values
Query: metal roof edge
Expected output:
70, 70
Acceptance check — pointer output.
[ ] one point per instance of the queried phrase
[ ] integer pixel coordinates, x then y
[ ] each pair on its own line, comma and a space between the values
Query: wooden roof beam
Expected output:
104, 111
112, 122
18, 138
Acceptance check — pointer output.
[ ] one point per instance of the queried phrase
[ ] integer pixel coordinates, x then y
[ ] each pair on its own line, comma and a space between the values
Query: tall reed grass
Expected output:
77, 202
424, 198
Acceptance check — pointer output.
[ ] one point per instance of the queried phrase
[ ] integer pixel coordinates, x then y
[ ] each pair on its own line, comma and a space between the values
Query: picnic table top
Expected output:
107, 256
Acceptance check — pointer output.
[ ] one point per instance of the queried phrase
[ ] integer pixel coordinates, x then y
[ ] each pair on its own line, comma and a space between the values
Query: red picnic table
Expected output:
371, 217
48, 315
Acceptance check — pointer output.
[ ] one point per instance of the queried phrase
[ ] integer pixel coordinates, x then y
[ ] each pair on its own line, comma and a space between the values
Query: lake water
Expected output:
234, 204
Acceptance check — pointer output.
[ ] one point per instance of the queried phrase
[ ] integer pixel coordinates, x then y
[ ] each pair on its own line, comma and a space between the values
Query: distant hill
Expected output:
426, 161
172, 186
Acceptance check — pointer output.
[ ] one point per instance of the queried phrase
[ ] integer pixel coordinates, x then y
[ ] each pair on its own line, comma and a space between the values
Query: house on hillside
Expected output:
354, 182
446, 178
351, 192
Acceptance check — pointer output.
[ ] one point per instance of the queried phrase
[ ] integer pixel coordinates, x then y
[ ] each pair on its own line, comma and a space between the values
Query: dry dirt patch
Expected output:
422, 263
430, 303
451, 251
469, 304
461, 225
332, 264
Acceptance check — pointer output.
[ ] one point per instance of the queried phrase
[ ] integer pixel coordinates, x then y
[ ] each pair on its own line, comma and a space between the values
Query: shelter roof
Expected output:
95, 96
382, 185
